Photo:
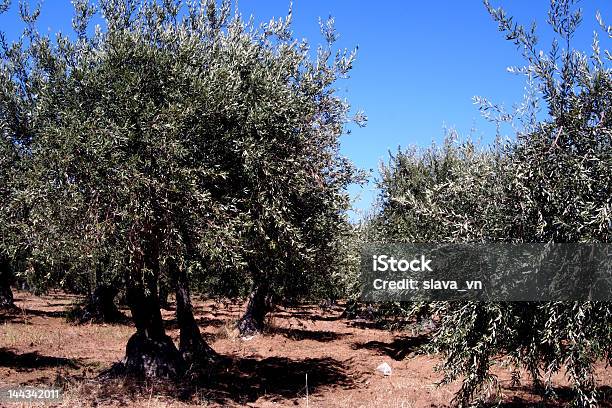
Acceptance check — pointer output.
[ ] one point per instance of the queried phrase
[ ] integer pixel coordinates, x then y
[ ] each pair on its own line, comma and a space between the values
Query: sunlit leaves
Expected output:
552, 183
178, 131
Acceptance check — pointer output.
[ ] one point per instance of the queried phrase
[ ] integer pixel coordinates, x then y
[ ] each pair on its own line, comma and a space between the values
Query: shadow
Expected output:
21, 295
237, 381
14, 319
245, 380
21, 315
301, 334
172, 324
398, 349
15, 315
305, 315
34, 360
224, 314
563, 397
44, 313
368, 322
210, 321
63, 304
8, 315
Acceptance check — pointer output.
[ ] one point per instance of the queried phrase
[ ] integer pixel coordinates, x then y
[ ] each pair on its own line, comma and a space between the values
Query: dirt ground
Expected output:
309, 358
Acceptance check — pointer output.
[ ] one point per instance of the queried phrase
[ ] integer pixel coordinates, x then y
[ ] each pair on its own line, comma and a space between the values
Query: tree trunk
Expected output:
100, 307
6, 294
164, 293
149, 352
193, 348
258, 305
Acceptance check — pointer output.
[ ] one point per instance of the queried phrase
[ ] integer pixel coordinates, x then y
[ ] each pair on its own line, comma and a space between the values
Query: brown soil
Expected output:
338, 356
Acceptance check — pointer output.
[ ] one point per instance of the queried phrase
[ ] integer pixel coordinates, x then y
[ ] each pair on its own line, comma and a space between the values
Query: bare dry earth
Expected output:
339, 357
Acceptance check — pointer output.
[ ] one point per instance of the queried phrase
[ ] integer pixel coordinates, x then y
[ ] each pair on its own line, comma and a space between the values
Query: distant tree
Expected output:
7, 157
16, 124
102, 286
293, 180
552, 184
302, 233
179, 143
436, 194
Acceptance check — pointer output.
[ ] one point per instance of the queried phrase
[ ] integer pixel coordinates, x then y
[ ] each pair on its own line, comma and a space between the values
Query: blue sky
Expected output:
419, 64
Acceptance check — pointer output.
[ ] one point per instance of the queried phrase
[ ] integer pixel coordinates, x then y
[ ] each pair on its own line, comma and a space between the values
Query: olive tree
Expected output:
7, 157
551, 184
17, 120
436, 194
292, 182
178, 142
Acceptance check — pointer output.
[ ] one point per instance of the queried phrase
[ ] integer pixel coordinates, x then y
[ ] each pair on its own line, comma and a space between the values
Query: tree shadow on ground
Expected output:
245, 380
10, 317
309, 315
238, 381
45, 313
563, 397
33, 360
368, 323
398, 349
301, 334
172, 324
210, 321
530, 398
24, 295
18, 315
59, 304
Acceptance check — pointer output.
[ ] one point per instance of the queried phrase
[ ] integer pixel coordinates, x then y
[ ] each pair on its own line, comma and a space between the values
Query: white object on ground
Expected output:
384, 368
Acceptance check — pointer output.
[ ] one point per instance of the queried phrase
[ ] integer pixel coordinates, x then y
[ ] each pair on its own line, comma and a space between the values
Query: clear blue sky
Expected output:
418, 67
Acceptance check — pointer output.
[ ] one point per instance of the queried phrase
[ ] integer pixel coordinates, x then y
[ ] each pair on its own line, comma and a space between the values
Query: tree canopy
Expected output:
178, 140
551, 184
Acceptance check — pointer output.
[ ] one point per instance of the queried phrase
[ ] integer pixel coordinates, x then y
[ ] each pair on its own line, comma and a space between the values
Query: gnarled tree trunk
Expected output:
258, 305
193, 348
100, 307
164, 293
149, 352
6, 294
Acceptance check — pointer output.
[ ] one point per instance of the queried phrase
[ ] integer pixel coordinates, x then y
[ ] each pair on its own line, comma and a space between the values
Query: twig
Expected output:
306, 390
554, 143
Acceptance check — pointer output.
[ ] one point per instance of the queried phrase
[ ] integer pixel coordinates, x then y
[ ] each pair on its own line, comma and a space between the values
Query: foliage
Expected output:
437, 194
15, 122
178, 142
552, 184
215, 140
